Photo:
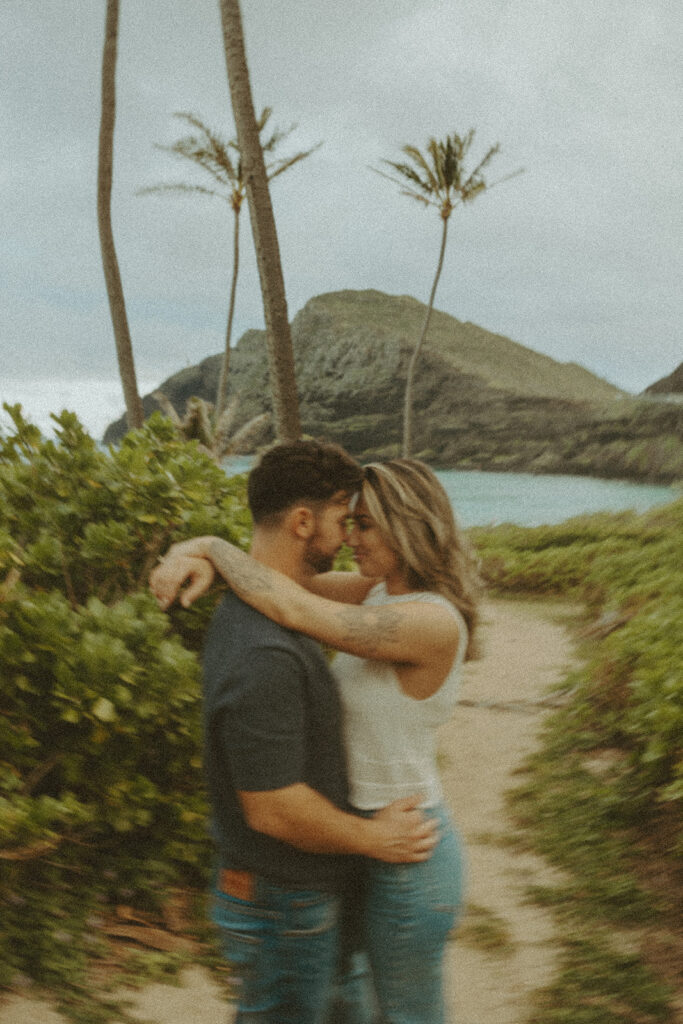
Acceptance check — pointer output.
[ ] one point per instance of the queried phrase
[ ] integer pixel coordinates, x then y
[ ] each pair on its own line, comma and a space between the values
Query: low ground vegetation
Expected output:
628, 571
601, 799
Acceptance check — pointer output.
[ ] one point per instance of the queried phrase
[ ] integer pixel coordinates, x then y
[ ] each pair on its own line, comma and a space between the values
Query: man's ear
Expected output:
301, 521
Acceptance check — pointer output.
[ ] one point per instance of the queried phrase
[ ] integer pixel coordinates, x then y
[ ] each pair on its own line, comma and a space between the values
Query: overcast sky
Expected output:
579, 258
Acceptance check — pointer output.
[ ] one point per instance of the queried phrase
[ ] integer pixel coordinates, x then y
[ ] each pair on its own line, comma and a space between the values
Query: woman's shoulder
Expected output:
379, 594
432, 597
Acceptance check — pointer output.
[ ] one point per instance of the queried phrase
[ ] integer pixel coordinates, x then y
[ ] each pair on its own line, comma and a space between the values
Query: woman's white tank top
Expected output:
391, 738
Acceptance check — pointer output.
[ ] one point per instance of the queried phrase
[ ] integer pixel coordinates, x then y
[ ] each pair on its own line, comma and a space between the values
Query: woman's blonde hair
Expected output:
414, 515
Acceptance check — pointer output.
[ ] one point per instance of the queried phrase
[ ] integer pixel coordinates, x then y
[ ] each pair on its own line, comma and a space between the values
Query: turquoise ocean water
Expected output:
481, 499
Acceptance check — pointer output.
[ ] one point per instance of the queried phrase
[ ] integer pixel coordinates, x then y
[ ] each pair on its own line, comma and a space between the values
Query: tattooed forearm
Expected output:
242, 573
368, 629
369, 632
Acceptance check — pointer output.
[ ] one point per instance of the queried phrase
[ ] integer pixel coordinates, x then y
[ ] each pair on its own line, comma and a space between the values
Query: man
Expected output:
274, 756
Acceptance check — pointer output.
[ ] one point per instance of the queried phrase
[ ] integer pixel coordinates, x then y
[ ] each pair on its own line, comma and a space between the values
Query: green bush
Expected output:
101, 795
601, 796
628, 570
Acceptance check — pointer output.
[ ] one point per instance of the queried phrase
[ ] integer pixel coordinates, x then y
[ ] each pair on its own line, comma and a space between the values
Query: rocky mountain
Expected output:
671, 385
482, 401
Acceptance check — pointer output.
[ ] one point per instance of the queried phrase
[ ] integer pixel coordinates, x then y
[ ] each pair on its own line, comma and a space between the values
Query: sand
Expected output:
527, 648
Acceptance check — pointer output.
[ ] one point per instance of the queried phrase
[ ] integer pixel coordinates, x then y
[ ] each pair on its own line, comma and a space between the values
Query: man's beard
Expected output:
317, 560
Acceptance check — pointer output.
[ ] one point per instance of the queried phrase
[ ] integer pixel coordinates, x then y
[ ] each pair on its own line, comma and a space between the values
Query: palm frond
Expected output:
167, 407
218, 164
451, 163
430, 182
273, 170
246, 436
277, 136
196, 424
211, 137
475, 178
410, 174
222, 171
465, 142
402, 187
507, 177
263, 118
180, 187
436, 152
226, 421
206, 148
416, 195
273, 141
473, 190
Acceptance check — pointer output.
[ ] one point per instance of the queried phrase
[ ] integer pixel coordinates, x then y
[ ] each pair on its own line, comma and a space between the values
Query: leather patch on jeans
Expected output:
240, 884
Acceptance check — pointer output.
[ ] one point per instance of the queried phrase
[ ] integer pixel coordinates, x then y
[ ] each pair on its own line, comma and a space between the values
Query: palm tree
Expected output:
112, 276
280, 351
437, 178
222, 164
216, 435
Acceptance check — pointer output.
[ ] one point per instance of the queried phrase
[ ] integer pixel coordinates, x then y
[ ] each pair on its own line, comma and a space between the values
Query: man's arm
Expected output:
302, 817
261, 741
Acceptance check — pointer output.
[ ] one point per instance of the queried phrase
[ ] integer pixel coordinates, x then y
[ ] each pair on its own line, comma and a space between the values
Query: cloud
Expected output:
578, 258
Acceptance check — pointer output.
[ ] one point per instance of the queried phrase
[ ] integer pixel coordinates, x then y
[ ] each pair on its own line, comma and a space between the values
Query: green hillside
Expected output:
464, 347
482, 401
671, 385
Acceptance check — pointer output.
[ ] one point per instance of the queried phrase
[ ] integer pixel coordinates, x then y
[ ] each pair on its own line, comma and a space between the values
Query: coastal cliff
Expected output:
482, 401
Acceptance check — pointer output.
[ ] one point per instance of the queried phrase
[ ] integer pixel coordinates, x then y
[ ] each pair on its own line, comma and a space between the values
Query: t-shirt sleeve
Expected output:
262, 730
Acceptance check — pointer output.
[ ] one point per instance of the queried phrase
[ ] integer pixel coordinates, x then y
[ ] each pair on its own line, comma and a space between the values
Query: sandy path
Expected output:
526, 649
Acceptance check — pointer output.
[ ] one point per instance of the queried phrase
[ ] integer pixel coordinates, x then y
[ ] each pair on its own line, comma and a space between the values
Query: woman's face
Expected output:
373, 555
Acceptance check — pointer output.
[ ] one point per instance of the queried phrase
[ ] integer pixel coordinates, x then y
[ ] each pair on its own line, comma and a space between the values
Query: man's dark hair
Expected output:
300, 471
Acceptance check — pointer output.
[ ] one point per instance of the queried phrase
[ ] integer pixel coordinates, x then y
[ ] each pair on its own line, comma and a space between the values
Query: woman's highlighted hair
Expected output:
415, 517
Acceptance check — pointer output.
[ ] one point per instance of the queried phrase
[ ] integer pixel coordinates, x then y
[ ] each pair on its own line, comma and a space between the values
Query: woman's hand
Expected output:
176, 571
195, 547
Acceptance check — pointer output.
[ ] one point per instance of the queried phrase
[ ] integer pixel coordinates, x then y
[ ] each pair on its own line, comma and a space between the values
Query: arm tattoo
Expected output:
242, 572
368, 628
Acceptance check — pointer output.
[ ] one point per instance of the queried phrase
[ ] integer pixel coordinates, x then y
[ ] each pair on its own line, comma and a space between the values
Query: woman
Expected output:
398, 672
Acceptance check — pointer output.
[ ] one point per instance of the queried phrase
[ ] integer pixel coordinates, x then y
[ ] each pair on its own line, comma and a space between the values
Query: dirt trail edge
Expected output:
505, 949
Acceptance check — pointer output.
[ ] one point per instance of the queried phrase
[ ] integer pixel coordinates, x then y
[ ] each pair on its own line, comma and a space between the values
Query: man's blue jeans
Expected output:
283, 947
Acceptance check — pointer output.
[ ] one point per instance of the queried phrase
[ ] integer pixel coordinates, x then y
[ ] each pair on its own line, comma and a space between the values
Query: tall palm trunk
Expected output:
222, 389
410, 377
280, 352
112, 276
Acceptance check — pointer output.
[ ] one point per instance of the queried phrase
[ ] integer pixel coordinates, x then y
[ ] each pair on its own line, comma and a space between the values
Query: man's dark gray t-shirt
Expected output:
271, 719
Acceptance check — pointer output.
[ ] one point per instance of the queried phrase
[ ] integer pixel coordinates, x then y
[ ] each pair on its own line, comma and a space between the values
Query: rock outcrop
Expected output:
481, 400
671, 385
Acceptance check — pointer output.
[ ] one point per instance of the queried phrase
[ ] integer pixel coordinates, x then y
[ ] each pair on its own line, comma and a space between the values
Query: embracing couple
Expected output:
338, 870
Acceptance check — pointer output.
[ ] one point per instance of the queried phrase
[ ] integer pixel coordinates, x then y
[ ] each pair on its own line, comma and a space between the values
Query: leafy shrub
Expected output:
101, 795
601, 796
628, 569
